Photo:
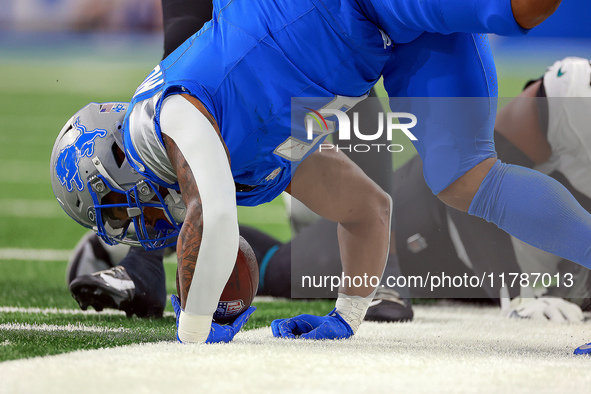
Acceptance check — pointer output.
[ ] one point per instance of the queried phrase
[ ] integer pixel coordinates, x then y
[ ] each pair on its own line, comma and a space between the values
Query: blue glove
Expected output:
176, 305
331, 326
217, 333
226, 332
584, 349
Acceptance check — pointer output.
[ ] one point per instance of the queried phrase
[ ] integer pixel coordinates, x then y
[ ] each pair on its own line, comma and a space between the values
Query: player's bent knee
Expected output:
376, 206
381, 205
460, 193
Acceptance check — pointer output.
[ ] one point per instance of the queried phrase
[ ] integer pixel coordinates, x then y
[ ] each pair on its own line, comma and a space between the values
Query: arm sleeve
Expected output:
204, 153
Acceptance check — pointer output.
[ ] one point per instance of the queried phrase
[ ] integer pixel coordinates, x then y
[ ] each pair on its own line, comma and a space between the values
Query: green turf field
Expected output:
36, 309
40, 90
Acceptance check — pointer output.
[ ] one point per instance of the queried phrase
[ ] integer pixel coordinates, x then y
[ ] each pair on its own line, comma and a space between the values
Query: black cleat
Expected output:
389, 306
112, 288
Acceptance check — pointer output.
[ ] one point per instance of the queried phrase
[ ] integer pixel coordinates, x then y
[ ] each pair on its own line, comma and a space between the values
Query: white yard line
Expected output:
34, 254
49, 255
24, 172
54, 327
59, 311
26, 208
20, 208
447, 349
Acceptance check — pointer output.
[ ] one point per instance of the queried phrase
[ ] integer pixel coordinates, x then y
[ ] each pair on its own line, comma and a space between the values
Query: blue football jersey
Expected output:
253, 57
245, 70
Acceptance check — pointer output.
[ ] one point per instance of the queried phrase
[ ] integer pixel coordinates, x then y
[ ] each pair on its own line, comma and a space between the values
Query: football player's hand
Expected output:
331, 326
226, 332
584, 349
176, 305
545, 308
218, 333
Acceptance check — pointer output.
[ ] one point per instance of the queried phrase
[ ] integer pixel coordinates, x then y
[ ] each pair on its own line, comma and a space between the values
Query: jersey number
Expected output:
294, 149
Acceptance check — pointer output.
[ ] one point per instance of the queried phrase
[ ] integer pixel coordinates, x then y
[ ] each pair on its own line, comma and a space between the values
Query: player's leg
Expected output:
335, 188
392, 302
459, 160
118, 277
376, 164
91, 254
446, 82
536, 209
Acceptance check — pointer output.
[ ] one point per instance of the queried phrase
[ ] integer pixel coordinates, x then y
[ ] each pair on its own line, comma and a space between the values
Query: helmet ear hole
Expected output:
118, 154
78, 202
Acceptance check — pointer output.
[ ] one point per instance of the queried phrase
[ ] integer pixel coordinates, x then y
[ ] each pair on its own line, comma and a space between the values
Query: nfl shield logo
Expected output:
229, 308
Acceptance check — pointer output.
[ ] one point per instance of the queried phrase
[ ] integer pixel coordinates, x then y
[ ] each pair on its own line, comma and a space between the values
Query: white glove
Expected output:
544, 308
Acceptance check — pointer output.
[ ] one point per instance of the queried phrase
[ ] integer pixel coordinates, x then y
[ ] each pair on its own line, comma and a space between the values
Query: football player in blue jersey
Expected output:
213, 121
545, 128
140, 285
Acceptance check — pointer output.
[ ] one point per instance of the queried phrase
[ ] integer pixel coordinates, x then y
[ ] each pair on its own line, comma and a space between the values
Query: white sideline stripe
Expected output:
49, 255
446, 349
24, 172
267, 299
26, 208
34, 254
20, 208
56, 311
53, 327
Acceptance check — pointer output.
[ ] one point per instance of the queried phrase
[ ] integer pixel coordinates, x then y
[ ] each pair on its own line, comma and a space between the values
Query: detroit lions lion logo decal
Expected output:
66, 168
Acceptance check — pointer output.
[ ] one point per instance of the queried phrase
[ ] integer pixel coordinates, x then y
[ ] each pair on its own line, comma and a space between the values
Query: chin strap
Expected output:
103, 171
175, 205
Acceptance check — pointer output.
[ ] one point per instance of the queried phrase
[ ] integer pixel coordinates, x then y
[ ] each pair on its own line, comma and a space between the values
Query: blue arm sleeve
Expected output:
446, 16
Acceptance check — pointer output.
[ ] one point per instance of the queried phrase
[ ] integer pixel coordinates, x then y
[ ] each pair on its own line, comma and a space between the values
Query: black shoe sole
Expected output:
388, 311
99, 298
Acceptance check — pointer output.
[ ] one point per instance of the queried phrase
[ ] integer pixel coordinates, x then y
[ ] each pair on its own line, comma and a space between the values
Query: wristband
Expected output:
193, 328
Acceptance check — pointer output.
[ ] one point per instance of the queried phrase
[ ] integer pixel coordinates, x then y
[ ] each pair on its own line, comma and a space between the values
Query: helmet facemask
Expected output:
115, 229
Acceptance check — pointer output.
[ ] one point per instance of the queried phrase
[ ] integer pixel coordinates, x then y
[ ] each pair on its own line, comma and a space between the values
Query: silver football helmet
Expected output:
87, 164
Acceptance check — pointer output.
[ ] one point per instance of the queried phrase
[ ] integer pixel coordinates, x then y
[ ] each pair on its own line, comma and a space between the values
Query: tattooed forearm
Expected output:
190, 236
188, 248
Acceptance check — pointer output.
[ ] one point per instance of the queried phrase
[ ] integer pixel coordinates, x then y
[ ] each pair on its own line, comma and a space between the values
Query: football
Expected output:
241, 287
